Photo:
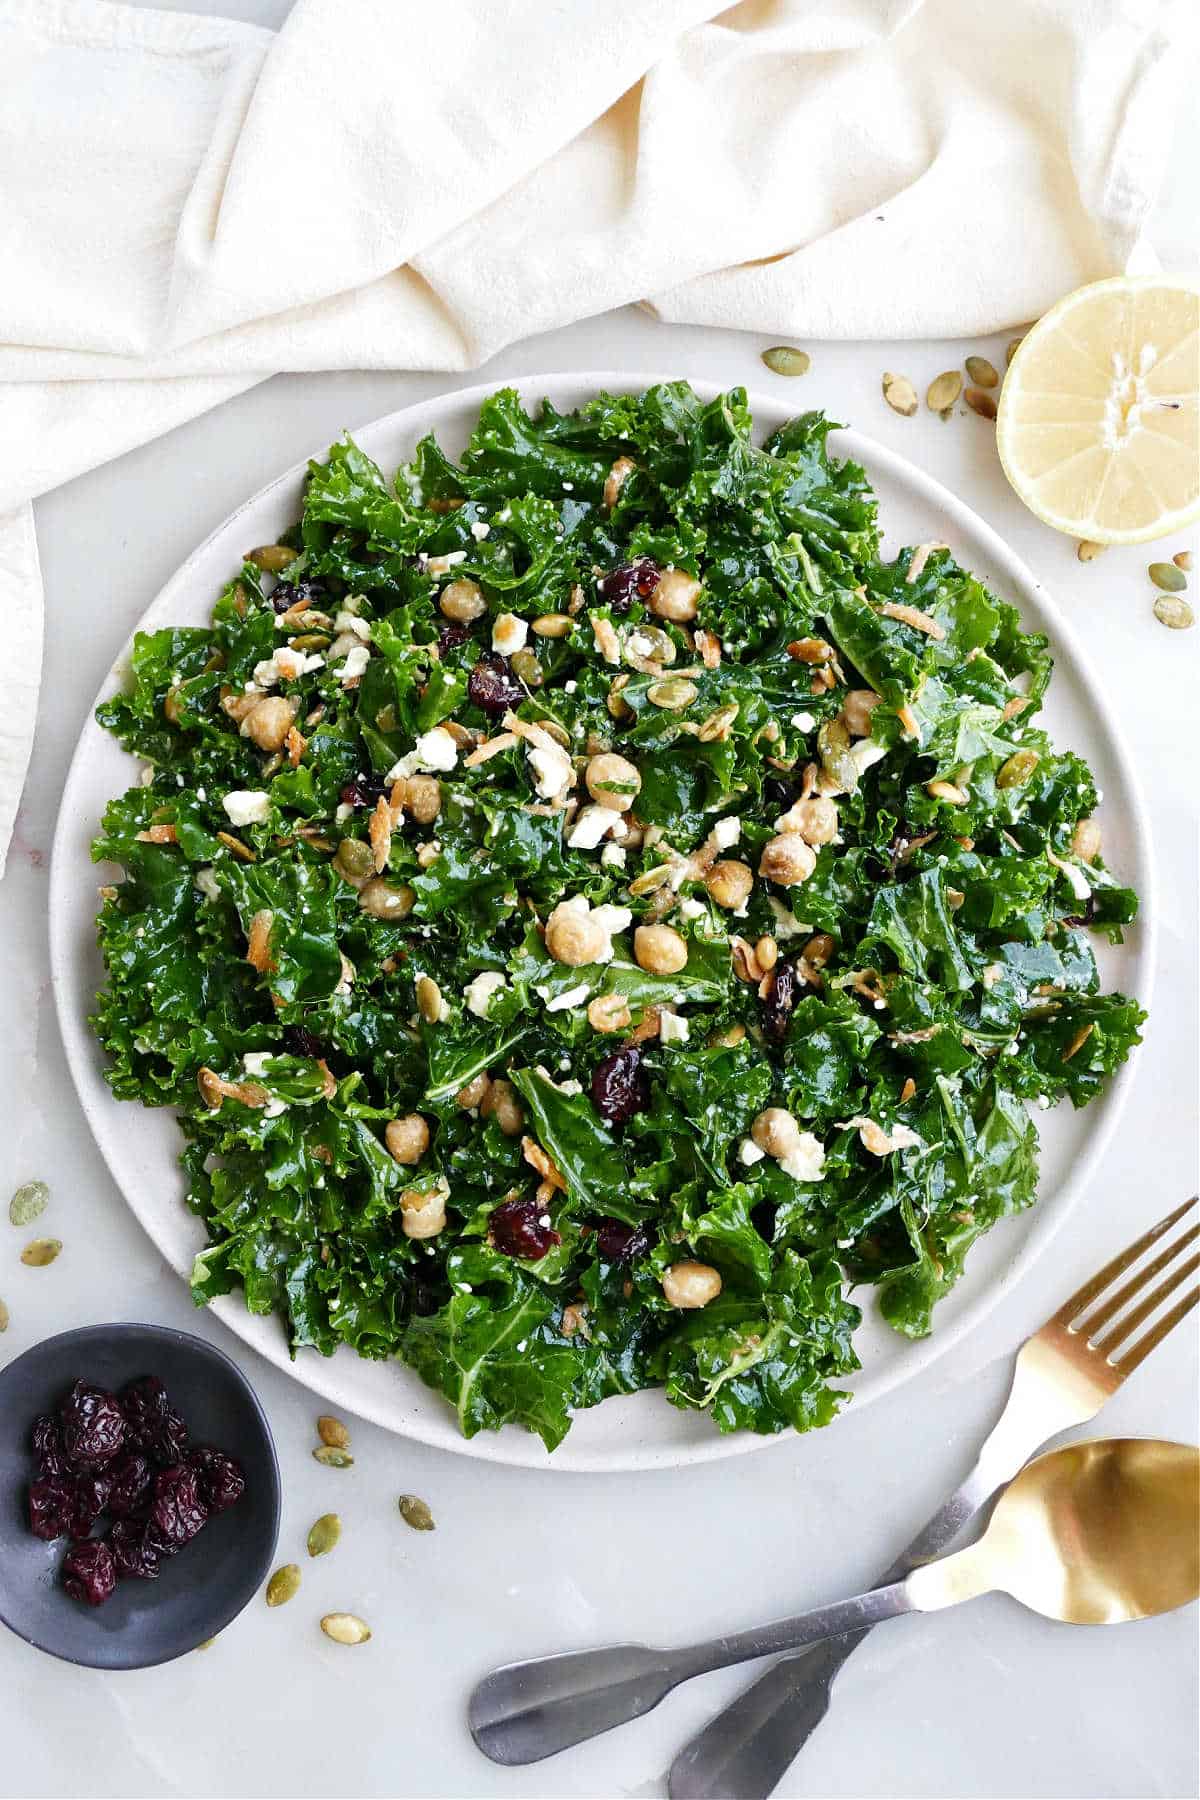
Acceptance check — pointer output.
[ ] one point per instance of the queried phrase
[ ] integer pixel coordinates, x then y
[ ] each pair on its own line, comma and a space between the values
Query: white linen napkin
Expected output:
189, 204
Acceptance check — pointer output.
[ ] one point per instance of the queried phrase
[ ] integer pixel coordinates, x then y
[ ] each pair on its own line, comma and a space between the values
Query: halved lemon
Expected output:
1099, 421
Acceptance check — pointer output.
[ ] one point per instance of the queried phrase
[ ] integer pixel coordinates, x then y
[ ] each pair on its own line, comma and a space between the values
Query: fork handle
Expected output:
744, 1752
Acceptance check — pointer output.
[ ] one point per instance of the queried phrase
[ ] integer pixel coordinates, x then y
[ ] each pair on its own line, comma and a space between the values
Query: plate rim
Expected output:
513, 1447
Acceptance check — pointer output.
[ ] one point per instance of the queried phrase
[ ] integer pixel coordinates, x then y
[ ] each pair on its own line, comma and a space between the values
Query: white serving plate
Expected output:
638, 1431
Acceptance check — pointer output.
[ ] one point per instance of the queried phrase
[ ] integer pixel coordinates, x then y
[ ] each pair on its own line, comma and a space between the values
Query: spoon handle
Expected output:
525, 1711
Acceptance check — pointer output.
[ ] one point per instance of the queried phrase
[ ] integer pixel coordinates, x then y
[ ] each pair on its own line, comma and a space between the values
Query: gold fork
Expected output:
1063, 1375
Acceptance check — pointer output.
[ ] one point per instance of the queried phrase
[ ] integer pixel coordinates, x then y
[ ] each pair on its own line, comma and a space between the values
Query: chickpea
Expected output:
423, 1211
423, 798
407, 1138
766, 954
380, 900
474, 1092
729, 883
776, 1132
786, 860
501, 1103
815, 820
612, 781
268, 723
676, 596
616, 478
462, 601
857, 708
573, 936
690, 1284
659, 949
1086, 840
609, 1012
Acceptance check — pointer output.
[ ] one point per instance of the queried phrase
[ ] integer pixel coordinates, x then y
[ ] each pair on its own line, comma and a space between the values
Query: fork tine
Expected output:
1112, 1340
1083, 1297
1100, 1318
1126, 1364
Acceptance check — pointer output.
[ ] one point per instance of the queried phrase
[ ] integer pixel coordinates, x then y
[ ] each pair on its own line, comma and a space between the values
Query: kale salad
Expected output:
591, 915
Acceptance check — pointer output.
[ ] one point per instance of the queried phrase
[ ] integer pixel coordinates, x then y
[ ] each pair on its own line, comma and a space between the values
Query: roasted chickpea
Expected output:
423, 1210
609, 1012
815, 820
573, 936
690, 1284
786, 860
423, 798
407, 1138
857, 708
676, 596
612, 781
462, 601
268, 723
729, 883
659, 949
501, 1103
380, 900
1086, 840
475, 1091
616, 478
776, 1131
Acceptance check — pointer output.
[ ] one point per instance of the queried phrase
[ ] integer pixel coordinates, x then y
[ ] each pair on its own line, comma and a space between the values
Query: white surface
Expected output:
636, 1431
982, 1702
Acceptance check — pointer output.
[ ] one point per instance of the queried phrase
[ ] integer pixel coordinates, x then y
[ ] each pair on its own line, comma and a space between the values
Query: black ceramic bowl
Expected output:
210, 1580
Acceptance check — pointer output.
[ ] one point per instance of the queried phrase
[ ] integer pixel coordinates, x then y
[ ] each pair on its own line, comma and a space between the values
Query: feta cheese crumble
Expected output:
247, 806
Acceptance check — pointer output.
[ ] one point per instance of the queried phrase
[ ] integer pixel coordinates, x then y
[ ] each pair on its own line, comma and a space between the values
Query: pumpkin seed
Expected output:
943, 391
673, 695
274, 558
900, 394
416, 1513
324, 1534
332, 1457
40, 1252
1182, 559
28, 1202
345, 1628
1174, 612
655, 645
429, 999
1167, 577
1088, 552
4, 1316
1018, 769
785, 359
354, 859
527, 668
332, 1431
310, 640
1014, 344
833, 748
284, 1585
981, 372
981, 402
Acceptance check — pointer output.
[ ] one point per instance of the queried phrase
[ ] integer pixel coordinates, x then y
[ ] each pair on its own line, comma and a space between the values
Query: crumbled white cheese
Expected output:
292, 664
726, 832
749, 1153
569, 1087
247, 806
206, 883
441, 565
509, 634
564, 1002
641, 646
807, 1161
569, 687
592, 824
348, 621
343, 812
436, 749
480, 530
147, 775
613, 856
787, 925
673, 1028
273, 1108
255, 1061
803, 721
355, 663
478, 993
266, 673
692, 908
611, 920
552, 767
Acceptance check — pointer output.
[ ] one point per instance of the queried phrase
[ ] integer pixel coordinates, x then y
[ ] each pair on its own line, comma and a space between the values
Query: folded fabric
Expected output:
189, 204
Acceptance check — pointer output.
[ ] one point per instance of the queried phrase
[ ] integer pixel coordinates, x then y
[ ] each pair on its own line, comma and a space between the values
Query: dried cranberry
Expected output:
221, 1481
492, 686
153, 1425
451, 636
618, 1242
290, 593
363, 789
629, 582
177, 1512
301, 1042
135, 1550
782, 993
129, 1485
620, 1086
521, 1228
48, 1446
89, 1573
92, 1493
93, 1426
1086, 917
53, 1508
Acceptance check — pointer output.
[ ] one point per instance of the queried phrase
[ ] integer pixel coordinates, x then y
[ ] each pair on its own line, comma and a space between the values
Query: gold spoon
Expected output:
1094, 1534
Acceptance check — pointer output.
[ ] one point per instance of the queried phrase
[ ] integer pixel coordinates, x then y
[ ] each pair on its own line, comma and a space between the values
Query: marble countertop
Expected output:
984, 1701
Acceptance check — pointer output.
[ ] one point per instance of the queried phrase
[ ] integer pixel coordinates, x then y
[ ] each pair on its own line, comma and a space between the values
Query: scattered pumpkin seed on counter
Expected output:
331, 1431
415, 1512
1014, 344
29, 1202
324, 1535
982, 372
284, 1585
1167, 576
785, 359
1183, 560
981, 402
1088, 552
943, 391
331, 1456
40, 1252
1173, 611
4, 1316
345, 1628
900, 394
